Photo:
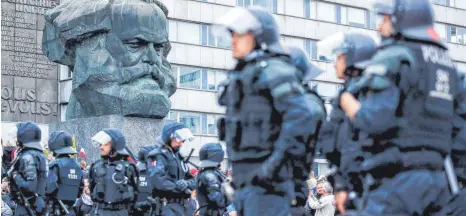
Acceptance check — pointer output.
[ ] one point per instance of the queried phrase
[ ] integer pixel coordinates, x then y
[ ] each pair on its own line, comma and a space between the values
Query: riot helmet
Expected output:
29, 135
115, 137
301, 61
255, 20
61, 142
412, 19
211, 155
356, 47
177, 131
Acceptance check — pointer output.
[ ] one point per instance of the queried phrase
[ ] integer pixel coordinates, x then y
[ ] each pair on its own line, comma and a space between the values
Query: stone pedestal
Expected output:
138, 131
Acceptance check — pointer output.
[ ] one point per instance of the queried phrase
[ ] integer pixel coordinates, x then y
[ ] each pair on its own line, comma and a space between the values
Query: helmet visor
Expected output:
238, 20
183, 135
101, 138
332, 46
383, 6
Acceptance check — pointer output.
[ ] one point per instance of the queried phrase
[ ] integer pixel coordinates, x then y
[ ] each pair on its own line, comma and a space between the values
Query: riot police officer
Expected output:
301, 165
169, 174
144, 203
112, 179
65, 180
268, 119
337, 141
407, 109
210, 194
28, 172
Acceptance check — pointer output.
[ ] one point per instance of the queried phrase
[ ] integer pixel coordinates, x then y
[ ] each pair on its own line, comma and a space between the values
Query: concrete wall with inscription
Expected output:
29, 79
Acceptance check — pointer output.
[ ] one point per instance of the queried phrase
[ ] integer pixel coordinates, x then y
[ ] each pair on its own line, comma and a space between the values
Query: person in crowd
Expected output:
325, 205
83, 205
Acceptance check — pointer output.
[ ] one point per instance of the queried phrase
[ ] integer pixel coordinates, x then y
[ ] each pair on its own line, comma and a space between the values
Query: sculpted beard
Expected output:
107, 87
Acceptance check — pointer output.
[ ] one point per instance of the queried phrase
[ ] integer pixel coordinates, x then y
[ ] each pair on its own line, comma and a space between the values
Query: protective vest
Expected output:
428, 109
251, 124
113, 182
144, 186
206, 207
69, 179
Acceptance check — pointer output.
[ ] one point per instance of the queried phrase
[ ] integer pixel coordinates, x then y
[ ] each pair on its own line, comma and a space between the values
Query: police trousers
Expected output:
413, 192
255, 200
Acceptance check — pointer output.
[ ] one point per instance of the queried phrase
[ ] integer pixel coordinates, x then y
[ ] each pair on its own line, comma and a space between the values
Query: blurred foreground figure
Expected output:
268, 119
409, 112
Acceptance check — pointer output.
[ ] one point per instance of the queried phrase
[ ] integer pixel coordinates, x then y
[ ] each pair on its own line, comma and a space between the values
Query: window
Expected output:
198, 78
191, 120
456, 34
326, 12
190, 77
295, 8
457, 3
310, 9
373, 21
441, 30
293, 41
311, 49
208, 39
270, 5
65, 72
185, 32
198, 123
357, 17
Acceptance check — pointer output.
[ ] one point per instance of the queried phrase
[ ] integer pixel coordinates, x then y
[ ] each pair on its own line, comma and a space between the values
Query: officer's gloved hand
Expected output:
181, 185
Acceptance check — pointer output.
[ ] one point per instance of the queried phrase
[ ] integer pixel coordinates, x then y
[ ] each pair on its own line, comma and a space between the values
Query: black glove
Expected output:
181, 185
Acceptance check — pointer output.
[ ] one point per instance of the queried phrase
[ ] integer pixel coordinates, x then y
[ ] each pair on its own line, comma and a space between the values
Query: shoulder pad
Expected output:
388, 61
156, 151
27, 156
274, 69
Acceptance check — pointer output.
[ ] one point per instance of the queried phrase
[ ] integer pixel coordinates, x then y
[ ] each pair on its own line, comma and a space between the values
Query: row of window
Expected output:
194, 33
198, 78
451, 3
451, 33
198, 123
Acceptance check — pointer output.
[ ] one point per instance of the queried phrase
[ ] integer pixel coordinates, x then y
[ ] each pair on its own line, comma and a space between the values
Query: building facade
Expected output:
200, 61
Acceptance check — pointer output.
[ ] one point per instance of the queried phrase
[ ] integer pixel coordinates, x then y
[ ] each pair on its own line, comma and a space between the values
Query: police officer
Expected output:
210, 194
169, 174
268, 119
29, 171
408, 108
144, 202
337, 141
112, 179
301, 165
65, 180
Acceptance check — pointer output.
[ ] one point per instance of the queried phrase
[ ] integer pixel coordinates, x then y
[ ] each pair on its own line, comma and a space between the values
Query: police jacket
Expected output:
458, 153
166, 168
210, 194
409, 106
31, 173
65, 180
113, 181
268, 118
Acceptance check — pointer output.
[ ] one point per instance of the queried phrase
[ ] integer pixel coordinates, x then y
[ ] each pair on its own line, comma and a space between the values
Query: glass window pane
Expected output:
190, 77
460, 4
189, 33
461, 32
192, 121
294, 8
442, 2
211, 125
344, 15
210, 80
296, 42
326, 12
267, 4
172, 115
441, 30
357, 18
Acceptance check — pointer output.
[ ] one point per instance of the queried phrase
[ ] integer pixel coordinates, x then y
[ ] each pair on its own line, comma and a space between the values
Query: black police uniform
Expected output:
408, 111
113, 180
267, 122
210, 193
29, 171
144, 203
301, 165
65, 179
166, 169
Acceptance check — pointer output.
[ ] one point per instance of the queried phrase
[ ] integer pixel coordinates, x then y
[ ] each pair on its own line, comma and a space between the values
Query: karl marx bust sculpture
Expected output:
117, 50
